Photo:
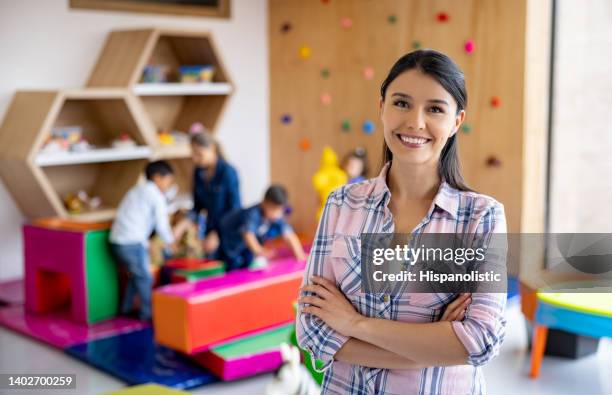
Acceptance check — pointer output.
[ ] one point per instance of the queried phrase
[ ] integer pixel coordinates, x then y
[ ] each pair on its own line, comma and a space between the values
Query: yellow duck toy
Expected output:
329, 177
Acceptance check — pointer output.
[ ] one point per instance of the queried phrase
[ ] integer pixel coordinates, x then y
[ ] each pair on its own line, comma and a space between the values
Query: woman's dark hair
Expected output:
205, 139
450, 76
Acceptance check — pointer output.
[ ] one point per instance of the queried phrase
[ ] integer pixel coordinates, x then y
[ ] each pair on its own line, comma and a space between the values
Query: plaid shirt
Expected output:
363, 208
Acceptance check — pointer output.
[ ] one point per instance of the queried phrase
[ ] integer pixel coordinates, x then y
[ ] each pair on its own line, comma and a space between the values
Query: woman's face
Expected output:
418, 117
203, 156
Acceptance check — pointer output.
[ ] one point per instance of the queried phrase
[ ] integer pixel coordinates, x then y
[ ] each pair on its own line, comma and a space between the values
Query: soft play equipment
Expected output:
134, 358
190, 317
587, 314
11, 293
329, 176
193, 269
247, 356
59, 330
147, 389
70, 267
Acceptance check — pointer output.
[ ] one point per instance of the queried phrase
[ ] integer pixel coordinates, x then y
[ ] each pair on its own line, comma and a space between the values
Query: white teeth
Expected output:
413, 140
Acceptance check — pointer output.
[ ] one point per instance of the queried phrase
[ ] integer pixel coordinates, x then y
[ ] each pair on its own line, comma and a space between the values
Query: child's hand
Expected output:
268, 253
456, 310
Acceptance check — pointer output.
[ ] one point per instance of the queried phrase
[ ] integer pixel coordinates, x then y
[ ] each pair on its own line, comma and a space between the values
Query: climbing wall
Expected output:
328, 59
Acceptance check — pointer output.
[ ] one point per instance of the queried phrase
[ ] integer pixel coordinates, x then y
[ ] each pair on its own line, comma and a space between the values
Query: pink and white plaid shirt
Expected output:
363, 208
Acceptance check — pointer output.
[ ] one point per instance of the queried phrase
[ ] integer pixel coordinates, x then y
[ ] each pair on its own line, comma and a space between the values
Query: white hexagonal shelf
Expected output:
40, 179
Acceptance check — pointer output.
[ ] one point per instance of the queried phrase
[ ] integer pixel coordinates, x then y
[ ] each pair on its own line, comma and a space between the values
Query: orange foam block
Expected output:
191, 317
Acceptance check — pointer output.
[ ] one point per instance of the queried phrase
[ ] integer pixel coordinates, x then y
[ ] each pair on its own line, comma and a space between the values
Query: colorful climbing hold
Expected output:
346, 22
325, 73
416, 45
286, 119
442, 17
368, 127
305, 52
493, 161
392, 19
286, 27
469, 46
466, 128
495, 102
326, 99
304, 144
368, 73
346, 125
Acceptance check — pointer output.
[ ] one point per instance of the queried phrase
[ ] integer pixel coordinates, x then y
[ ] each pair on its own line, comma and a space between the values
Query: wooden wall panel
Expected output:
496, 68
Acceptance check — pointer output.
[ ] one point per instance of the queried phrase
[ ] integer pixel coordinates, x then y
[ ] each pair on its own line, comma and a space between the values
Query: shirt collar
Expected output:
447, 197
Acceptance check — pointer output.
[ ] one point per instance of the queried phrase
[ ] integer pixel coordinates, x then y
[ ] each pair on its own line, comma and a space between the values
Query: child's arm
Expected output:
162, 222
254, 245
294, 243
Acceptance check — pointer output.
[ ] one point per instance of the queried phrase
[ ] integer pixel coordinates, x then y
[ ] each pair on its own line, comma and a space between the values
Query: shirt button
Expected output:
386, 298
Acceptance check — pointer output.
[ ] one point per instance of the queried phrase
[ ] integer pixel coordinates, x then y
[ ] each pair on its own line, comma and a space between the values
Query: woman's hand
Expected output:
455, 311
330, 305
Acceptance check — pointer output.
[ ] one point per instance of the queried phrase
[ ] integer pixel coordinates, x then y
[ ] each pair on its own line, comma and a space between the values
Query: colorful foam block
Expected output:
70, 268
59, 330
191, 269
134, 358
247, 356
11, 293
147, 389
190, 317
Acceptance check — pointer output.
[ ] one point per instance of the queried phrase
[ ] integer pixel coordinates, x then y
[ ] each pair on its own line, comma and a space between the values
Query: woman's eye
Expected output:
436, 109
401, 103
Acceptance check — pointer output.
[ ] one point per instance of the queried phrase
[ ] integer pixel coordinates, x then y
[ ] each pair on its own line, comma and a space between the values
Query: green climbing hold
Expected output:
346, 125
465, 128
416, 45
392, 19
325, 73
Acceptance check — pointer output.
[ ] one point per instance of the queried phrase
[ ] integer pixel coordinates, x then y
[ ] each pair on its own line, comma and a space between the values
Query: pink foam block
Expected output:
58, 330
11, 292
54, 257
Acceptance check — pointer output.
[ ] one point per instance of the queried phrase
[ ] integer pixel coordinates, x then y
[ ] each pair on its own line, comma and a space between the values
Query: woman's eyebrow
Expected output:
407, 96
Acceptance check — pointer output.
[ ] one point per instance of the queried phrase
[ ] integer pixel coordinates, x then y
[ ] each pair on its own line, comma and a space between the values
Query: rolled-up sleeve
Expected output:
483, 329
313, 334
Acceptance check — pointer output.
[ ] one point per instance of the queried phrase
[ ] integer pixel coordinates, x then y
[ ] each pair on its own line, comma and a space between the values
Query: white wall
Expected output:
45, 45
581, 166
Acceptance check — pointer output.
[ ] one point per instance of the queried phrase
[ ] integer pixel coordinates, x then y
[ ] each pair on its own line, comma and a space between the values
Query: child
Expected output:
355, 164
243, 231
143, 210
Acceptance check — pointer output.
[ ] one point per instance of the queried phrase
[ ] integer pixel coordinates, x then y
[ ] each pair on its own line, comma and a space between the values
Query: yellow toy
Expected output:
329, 177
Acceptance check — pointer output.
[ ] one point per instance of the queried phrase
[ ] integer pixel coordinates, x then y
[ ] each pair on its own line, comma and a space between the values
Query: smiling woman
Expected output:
408, 343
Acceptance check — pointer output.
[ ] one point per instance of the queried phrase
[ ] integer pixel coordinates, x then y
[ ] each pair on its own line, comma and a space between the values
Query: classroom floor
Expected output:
507, 374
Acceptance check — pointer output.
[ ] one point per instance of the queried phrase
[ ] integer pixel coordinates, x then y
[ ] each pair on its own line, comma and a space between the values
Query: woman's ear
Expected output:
458, 121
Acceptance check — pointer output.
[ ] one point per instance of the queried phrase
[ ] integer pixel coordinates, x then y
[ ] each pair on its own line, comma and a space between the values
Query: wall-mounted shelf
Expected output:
182, 89
93, 156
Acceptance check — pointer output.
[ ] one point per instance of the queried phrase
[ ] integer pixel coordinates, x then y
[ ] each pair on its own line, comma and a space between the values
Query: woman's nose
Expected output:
415, 119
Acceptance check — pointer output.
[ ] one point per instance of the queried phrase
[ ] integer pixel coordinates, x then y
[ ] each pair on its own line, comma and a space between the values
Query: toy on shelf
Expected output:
192, 317
66, 139
123, 141
329, 177
247, 356
76, 203
154, 73
196, 73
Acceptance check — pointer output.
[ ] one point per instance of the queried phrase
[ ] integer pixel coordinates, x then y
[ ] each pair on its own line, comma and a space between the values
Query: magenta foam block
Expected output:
59, 330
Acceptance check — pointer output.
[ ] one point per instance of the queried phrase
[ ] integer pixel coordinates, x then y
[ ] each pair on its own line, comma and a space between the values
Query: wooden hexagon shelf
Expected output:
172, 106
39, 179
